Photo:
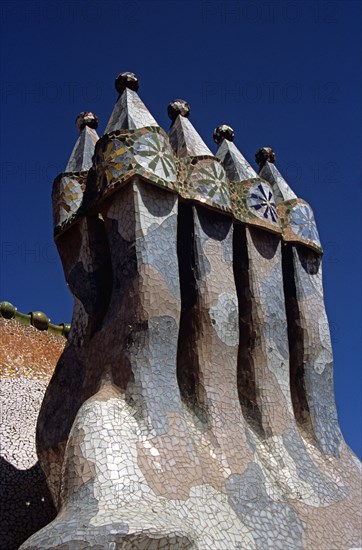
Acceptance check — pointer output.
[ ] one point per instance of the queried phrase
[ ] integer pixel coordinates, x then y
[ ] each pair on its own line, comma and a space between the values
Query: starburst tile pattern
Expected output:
302, 222
252, 198
260, 200
210, 181
67, 196
205, 182
247, 196
298, 223
153, 153
112, 160
124, 154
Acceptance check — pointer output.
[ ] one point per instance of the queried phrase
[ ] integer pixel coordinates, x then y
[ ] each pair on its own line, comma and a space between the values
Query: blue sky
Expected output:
283, 73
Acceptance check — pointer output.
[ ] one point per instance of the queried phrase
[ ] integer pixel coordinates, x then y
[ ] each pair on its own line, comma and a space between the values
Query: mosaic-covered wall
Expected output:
28, 357
193, 405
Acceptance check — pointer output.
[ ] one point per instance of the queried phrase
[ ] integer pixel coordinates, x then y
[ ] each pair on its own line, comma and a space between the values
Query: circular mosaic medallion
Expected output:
302, 223
261, 202
209, 181
67, 198
153, 153
112, 160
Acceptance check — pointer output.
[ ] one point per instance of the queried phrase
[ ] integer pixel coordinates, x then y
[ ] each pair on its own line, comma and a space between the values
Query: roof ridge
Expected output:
37, 319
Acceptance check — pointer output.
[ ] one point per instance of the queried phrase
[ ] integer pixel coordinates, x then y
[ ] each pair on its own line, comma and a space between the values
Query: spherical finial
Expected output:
126, 80
65, 329
39, 320
178, 107
7, 310
223, 132
263, 155
86, 119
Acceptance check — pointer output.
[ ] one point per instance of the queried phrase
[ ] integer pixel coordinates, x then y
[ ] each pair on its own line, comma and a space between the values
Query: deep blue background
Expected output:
282, 73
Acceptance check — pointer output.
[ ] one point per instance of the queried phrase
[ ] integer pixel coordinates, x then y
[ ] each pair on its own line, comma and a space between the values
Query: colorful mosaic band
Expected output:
298, 224
253, 203
146, 152
125, 153
203, 179
67, 196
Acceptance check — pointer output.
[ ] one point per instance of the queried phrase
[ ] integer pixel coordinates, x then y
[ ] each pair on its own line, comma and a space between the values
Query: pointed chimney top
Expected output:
81, 157
85, 118
178, 107
184, 139
126, 80
223, 132
263, 155
236, 166
129, 113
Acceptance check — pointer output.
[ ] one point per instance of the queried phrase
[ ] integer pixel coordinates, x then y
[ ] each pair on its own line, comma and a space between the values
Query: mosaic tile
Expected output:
28, 357
251, 197
201, 175
261, 201
208, 184
298, 223
69, 187
242, 202
192, 406
153, 153
237, 167
184, 139
296, 216
315, 365
302, 223
122, 155
129, 113
82, 154
268, 171
67, 197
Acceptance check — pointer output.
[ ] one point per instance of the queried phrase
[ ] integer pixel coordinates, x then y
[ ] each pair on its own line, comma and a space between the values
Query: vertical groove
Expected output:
187, 364
296, 341
245, 370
